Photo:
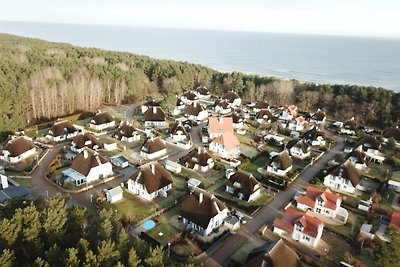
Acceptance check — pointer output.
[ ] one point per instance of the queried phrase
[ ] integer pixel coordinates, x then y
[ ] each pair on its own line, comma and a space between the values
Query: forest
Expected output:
46, 232
42, 80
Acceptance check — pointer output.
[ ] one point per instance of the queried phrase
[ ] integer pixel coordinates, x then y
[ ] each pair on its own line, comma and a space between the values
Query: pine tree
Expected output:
133, 259
7, 258
156, 258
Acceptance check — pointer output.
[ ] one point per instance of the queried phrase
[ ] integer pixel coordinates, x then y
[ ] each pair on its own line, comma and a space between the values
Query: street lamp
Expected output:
47, 194
169, 248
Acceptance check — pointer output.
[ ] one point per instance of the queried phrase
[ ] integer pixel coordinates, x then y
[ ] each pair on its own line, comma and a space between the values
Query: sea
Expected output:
310, 58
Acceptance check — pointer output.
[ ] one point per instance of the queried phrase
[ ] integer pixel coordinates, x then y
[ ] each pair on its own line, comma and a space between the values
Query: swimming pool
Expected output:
149, 224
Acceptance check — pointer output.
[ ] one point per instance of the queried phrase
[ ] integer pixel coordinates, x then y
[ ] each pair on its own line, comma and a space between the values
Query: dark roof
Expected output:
283, 159
236, 117
392, 133
80, 141
196, 156
179, 102
194, 109
350, 124
200, 213
273, 254
62, 127
318, 116
102, 118
154, 114
231, 96
153, 145
175, 127
13, 192
265, 113
347, 171
153, 176
189, 95
300, 143
246, 181
18, 146
313, 134
125, 130
261, 105
87, 160
359, 155
202, 90
368, 141
222, 103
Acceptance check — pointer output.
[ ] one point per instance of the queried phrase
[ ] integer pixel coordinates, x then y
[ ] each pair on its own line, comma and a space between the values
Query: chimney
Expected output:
201, 197
153, 168
199, 150
220, 120
85, 154
195, 104
154, 109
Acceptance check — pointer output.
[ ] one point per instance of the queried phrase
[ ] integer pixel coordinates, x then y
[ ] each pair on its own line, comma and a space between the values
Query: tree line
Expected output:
48, 233
42, 80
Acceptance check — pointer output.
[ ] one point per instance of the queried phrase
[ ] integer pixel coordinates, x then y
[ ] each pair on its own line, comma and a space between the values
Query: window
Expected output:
306, 238
318, 210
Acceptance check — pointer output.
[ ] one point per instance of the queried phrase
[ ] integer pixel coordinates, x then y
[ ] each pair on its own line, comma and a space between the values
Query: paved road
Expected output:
195, 134
270, 212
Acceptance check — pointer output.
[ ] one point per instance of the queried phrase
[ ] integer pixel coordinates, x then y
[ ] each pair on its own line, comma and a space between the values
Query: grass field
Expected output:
27, 182
164, 226
132, 209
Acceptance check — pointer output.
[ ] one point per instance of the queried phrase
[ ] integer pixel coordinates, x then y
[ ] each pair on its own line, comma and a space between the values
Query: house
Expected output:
202, 212
242, 185
153, 148
298, 148
17, 149
395, 220
88, 140
13, 192
226, 145
318, 117
222, 106
196, 112
390, 133
150, 181
273, 254
297, 124
189, 97
349, 127
115, 194
358, 159
233, 99
149, 104
179, 107
238, 121
260, 105
61, 131
87, 167
280, 164
323, 202
300, 226
370, 146
219, 125
265, 116
101, 121
343, 178
127, 133
394, 182
202, 93
119, 161
154, 117
198, 159
178, 133
277, 139
315, 137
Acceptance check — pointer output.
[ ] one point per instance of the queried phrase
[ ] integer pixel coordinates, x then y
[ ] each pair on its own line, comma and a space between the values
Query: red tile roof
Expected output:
228, 140
313, 193
395, 220
220, 125
292, 216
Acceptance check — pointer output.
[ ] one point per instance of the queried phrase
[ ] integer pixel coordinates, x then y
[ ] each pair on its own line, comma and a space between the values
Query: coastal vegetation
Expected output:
42, 80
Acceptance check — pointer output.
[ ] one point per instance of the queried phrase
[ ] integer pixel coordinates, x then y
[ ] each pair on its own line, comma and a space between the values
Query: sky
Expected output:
378, 18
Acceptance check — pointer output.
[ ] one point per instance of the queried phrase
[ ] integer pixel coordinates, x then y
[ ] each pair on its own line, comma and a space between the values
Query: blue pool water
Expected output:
149, 224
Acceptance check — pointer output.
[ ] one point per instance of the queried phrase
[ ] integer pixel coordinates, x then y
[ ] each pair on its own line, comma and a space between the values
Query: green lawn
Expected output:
27, 182
351, 228
248, 151
165, 227
36, 134
387, 199
132, 209
240, 256
253, 166
378, 171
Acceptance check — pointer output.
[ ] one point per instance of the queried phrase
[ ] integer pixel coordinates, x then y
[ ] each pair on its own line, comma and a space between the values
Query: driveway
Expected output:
195, 134
268, 213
